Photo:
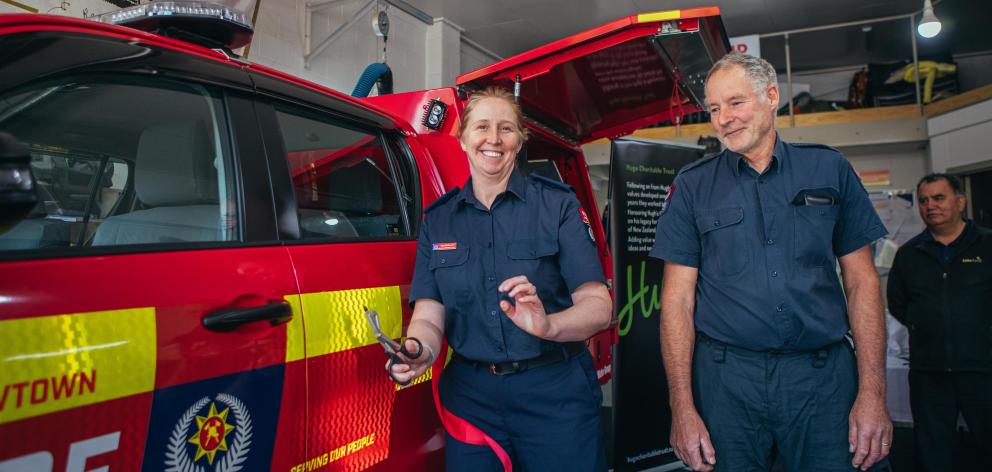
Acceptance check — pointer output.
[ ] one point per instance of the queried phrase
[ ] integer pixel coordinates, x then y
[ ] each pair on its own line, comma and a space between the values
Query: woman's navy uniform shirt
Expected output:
766, 245
534, 228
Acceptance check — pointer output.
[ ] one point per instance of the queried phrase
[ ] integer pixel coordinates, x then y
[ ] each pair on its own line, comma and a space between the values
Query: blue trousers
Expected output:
546, 418
754, 403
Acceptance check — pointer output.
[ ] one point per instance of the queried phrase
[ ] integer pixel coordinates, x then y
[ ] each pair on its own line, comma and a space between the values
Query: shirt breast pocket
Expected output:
450, 268
534, 258
723, 241
815, 215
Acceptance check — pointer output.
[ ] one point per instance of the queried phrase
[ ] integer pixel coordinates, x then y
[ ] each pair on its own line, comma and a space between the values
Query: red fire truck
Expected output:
187, 292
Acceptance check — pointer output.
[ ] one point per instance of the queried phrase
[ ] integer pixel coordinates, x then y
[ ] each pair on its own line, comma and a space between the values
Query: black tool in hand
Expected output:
392, 348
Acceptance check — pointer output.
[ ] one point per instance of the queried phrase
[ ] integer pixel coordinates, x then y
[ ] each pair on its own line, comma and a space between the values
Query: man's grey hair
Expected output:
757, 70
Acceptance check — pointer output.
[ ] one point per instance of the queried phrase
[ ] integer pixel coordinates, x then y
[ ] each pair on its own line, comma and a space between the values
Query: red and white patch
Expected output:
585, 220
444, 246
668, 198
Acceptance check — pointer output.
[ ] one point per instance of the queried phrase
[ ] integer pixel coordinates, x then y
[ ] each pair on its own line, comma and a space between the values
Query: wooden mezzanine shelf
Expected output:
842, 117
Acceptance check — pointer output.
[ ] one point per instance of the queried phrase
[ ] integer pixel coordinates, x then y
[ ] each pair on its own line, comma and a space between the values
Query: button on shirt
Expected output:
766, 245
534, 228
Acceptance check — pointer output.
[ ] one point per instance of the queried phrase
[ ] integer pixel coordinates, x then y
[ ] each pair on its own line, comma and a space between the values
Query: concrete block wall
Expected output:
420, 55
472, 58
443, 60
74, 8
279, 43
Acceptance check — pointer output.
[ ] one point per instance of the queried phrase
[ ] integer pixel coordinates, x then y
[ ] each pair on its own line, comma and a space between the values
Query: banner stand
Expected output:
641, 174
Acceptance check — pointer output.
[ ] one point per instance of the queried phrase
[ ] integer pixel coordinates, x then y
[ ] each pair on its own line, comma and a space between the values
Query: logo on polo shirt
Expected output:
972, 260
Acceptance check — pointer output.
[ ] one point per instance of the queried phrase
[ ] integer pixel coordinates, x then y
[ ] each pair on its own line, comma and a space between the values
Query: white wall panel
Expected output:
472, 59
961, 138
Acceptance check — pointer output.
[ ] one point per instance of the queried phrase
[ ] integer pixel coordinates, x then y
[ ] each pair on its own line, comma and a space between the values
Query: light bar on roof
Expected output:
226, 26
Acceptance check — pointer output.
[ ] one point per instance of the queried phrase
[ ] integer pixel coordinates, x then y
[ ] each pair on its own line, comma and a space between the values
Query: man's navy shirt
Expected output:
766, 245
534, 228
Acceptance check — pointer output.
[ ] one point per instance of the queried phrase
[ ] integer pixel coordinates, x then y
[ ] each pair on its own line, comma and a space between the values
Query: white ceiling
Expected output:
512, 26
509, 27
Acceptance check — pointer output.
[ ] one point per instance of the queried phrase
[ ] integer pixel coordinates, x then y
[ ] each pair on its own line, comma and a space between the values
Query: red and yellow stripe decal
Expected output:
54, 363
677, 14
335, 321
59, 362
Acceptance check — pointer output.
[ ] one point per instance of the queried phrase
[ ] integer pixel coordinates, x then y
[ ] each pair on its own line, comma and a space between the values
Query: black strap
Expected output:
565, 352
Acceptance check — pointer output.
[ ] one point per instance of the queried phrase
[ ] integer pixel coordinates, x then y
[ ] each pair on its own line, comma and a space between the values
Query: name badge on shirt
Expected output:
972, 260
444, 246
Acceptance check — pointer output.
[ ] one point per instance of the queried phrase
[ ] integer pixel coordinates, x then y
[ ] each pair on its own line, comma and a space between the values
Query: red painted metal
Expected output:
364, 400
442, 145
604, 82
182, 287
18, 23
560, 45
326, 400
57, 434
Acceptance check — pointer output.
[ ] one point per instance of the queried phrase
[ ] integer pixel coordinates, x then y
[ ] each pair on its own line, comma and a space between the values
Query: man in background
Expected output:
940, 287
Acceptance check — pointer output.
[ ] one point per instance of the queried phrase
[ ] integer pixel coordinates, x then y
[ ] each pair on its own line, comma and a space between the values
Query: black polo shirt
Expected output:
950, 251
766, 245
535, 228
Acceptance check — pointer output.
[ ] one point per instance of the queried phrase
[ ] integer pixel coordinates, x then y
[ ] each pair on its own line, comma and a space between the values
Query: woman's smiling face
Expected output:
492, 138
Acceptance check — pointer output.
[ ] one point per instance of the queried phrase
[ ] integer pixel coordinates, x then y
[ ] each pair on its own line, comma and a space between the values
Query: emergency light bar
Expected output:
205, 23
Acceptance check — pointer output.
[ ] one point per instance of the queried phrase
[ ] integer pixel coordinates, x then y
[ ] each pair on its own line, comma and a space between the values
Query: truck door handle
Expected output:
227, 319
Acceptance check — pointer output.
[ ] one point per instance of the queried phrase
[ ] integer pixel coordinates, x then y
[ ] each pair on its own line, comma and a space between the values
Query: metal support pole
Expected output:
838, 25
788, 78
359, 16
307, 28
317, 6
412, 11
916, 64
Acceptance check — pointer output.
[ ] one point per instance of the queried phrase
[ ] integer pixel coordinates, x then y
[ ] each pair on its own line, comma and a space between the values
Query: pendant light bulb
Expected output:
929, 24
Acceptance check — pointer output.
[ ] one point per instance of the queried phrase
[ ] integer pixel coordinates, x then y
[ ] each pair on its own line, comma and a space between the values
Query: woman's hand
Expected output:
527, 311
427, 325
410, 369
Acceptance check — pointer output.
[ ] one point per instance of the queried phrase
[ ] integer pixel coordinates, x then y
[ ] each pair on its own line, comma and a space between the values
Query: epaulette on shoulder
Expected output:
699, 162
443, 198
551, 182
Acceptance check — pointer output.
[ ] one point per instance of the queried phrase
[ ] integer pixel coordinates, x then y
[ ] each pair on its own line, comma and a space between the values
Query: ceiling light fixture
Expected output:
929, 24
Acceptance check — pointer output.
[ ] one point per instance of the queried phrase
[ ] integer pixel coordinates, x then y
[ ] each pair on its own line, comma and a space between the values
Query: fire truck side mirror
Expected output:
17, 187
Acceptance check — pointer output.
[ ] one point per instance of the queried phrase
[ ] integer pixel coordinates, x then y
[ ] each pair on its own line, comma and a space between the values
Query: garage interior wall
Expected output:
420, 55
959, 140
428, 56
279, 44
74, 8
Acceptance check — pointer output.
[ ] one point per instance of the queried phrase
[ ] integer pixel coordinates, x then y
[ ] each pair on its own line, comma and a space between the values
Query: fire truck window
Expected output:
343, 179
122, 162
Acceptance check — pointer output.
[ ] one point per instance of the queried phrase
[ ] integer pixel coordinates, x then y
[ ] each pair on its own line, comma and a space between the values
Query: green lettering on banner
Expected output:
647, 297
643, 169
